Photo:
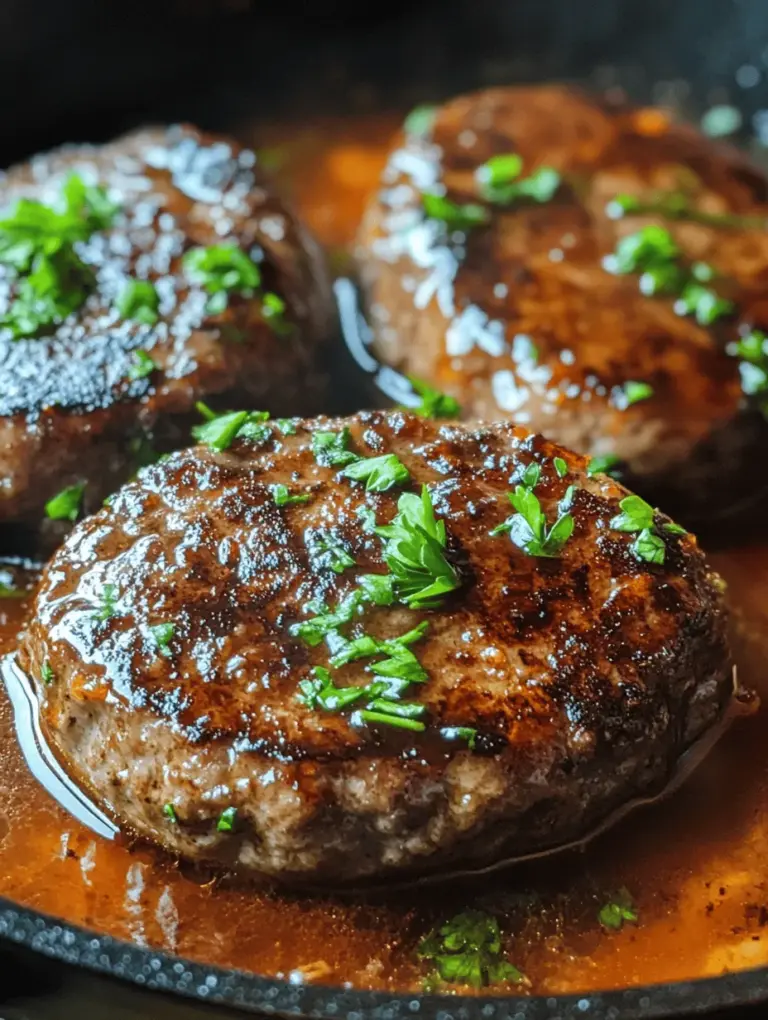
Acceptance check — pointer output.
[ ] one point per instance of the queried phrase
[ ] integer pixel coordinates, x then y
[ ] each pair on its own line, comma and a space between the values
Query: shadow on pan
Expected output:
79, 71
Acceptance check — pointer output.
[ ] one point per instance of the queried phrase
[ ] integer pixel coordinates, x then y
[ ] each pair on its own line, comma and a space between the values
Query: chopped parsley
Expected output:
434, 404
222, 269
499, 181
324, 622
649, 547
273, 309
617, 911
634, 392
420, 121
139, 301
367, 518
142, 366
561, 468
675, 205
752, 349
321, 692
170, 813
286, 426
378, 588
331, 553
330, 448
528, 527
603, 464
282, 496
468, 733
226, 822
219, 431
467, 951
163, 634
108, 604
637, 517
46, 673
382, 718
674, 529
378, 473
531, 475
65, 505
366, 646
413, 551
37, 241
454, 215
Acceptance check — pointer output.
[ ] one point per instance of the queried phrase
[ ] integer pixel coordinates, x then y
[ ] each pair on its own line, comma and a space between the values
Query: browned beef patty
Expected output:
525, 316
555, 688
71, 408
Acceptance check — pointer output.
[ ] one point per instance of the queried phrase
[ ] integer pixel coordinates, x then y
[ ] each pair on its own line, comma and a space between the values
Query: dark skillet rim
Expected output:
160, 971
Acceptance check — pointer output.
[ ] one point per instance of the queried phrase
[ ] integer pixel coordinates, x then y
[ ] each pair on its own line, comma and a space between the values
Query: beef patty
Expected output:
198, 282
527, 284
239, 667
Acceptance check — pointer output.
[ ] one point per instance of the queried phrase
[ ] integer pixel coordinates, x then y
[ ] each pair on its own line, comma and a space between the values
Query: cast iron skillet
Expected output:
218, 64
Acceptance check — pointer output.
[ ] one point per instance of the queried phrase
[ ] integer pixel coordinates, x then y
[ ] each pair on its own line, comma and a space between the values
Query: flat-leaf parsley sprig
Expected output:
467, 950
637, 517
528, 528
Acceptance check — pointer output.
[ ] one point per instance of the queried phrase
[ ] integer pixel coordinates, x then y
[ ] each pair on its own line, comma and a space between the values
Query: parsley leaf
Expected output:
649, 547
459, 217
634, 392
367, 518
413, 551
227, 818
330, 448
313, 630
282, 497
142, 366
379, 473
528, 527
46, 673
675, 205
108, 605
420, 121
222, 269
500, 182
434, 404
561, 468
273, 309
636, 515
321, 692
467, 950
617, 911
369, 715
170, 813
331, 553
603, 464
468, 733
378, 588
140, 301
65, 505
365, 646
163, 634
219, 431
286, 426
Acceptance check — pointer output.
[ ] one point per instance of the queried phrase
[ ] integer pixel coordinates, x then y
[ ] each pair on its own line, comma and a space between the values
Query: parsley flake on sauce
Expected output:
330, 448
170, 813
561, 468
420, 121
453, 214
331, 553
139, 301
47, 674
219, 431
634, 392
227, 818
467, 950
65, 505
282, 496
108, 605
603, 464
637, 517
617, 911
142, 366
163, 635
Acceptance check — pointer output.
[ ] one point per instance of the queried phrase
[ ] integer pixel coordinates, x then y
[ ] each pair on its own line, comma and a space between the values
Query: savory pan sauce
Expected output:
693, 865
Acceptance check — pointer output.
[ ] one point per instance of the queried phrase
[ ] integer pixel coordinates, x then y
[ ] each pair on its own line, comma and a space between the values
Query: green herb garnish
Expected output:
366, 646
649, 547
603, 464
332, 554
65, 505
499, 181
528, 527
675, 205
226, 822
378, 473
46, 673
386, 719
467, 733
108, 605
367, 519
286, 426
330, 448
170, 812
420, 121
531, 475
321, 692
674, 529
316, 628
273, 309
617, 911
456, 216
139, 301
163, 634
637, 517
752, 349
282, 496
142, 366
220, 430
561, 468
467, 951
413, 551
634, 392
222, 269
434, 404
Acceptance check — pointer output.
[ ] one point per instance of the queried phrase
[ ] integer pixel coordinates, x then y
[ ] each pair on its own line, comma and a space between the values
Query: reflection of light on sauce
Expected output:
39, 758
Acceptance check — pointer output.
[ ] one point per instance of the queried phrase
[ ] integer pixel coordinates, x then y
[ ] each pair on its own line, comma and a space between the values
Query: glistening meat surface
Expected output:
556, 686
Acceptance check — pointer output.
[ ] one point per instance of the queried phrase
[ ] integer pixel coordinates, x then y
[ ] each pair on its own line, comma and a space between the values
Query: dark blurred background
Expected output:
84, 69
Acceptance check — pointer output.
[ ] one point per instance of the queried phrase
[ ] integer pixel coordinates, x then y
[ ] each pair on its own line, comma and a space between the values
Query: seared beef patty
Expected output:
194, 644
84, 400
531, 302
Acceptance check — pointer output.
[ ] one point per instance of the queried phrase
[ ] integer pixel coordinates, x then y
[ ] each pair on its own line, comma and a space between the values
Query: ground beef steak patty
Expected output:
81, 398
520, 306
189, 642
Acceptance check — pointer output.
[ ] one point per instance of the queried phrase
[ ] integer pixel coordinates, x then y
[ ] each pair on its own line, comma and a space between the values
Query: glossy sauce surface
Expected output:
694, 864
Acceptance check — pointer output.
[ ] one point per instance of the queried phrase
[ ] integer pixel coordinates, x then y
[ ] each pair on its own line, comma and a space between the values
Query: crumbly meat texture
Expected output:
586, 675
520, 319
69, 410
